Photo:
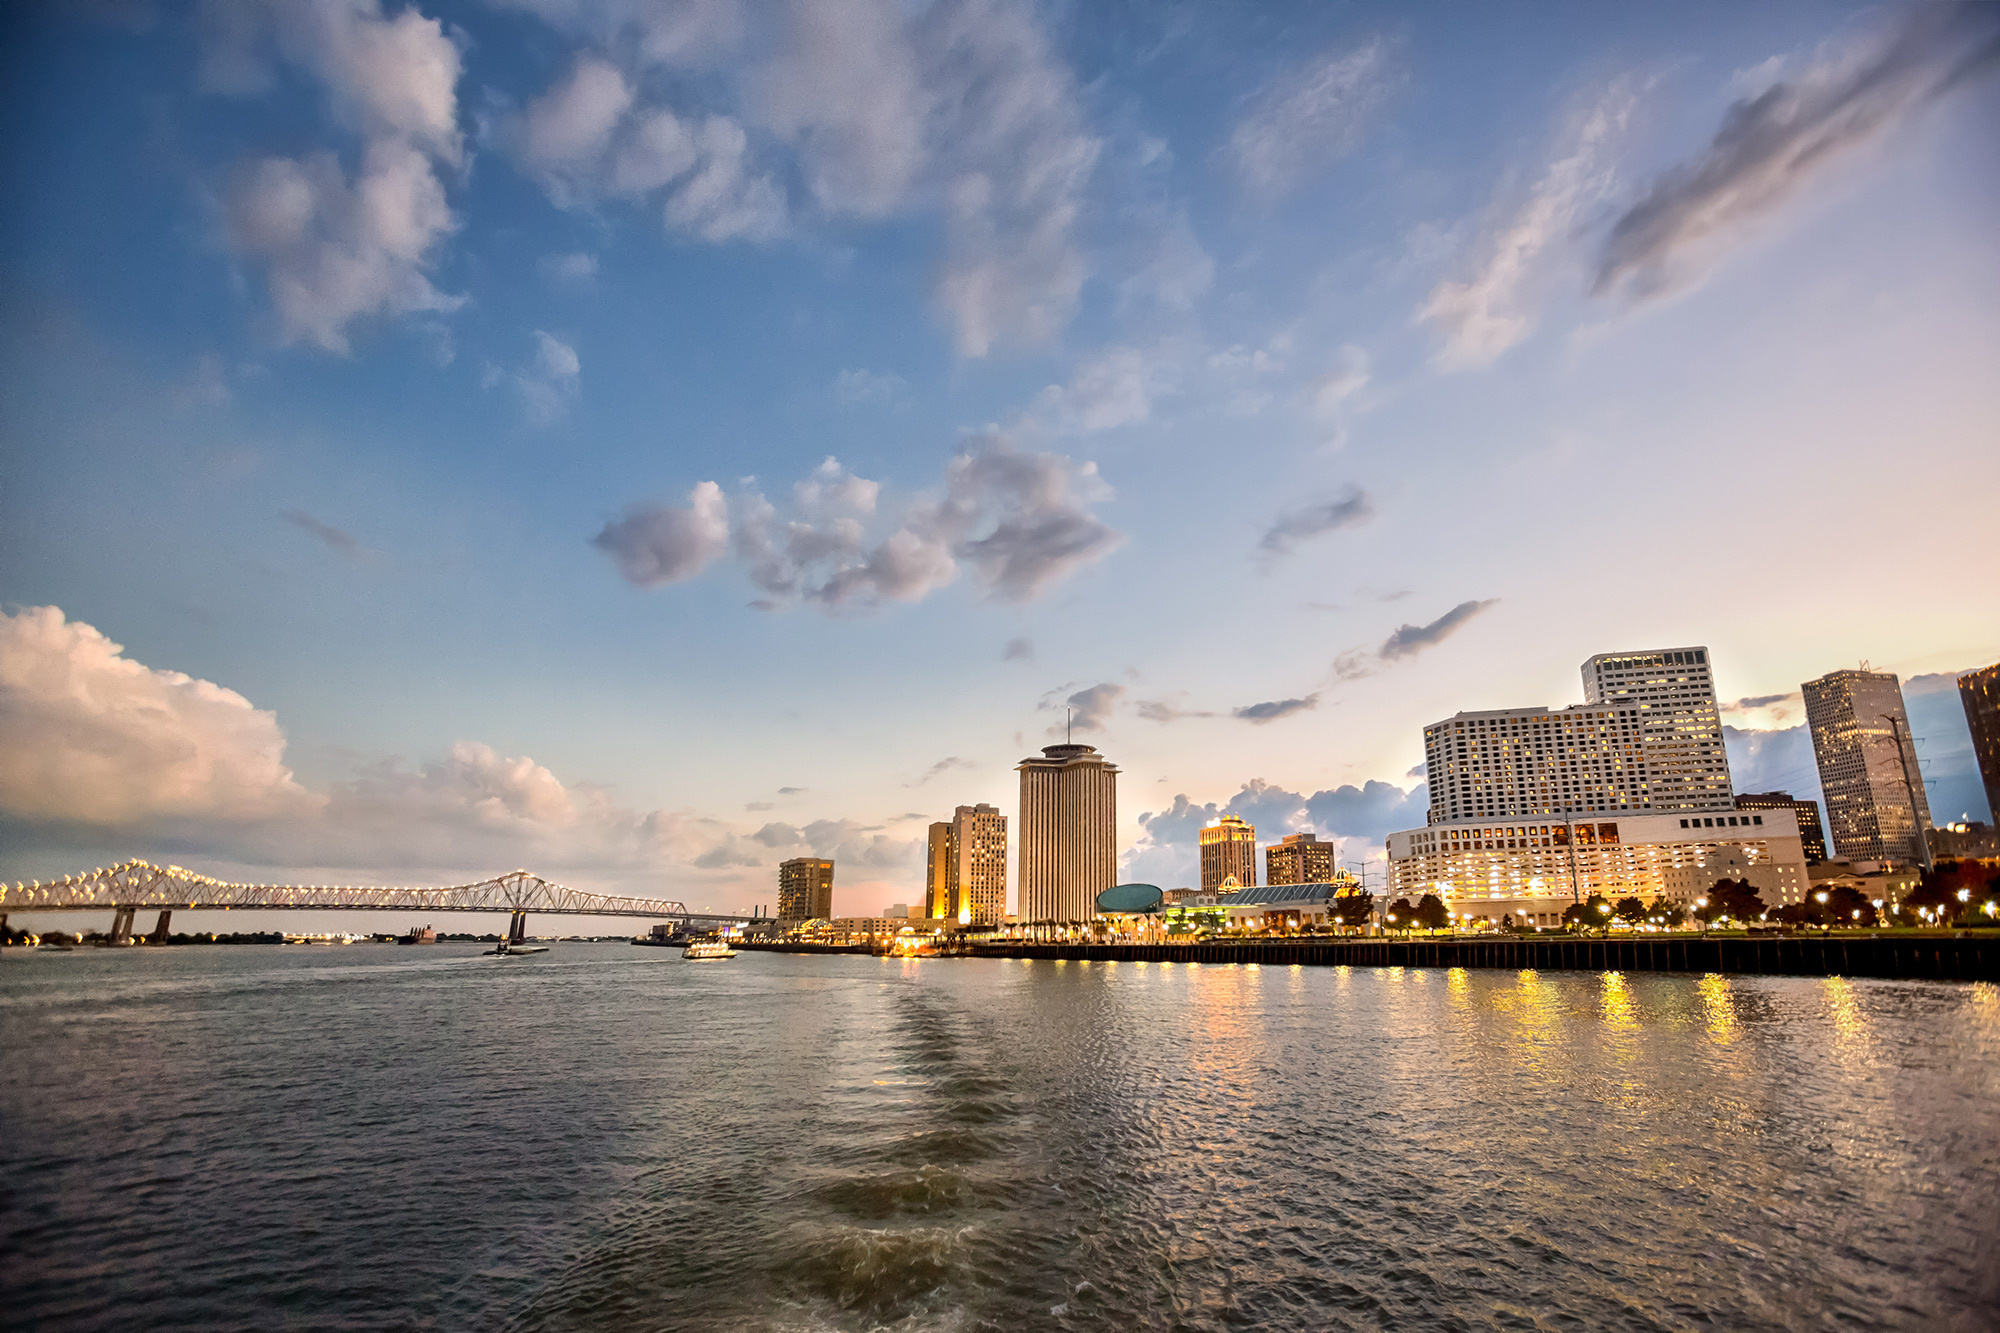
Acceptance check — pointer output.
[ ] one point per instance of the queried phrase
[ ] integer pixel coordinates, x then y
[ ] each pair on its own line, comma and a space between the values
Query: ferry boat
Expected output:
702, 950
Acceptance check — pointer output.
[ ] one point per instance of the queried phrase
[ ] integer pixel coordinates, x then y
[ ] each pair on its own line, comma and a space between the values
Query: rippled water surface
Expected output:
608, 1138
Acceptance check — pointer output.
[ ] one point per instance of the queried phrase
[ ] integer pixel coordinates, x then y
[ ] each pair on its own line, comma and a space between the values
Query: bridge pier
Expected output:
159, 935
121, 924
517, 929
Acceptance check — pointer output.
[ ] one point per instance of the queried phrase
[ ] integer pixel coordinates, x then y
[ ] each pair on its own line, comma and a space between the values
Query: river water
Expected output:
609, 1138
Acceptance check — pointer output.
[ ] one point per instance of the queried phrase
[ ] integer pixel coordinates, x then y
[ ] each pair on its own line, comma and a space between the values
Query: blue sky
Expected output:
643, 441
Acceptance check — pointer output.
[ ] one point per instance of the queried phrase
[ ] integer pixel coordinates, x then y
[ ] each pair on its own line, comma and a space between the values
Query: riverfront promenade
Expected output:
1885, 956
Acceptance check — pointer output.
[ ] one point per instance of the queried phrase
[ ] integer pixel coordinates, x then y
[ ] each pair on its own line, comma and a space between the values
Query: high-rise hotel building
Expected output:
805, 889
1069, 832
1228, 847
1875, 806
965, 876
1648, 737
938, 873
1627, 794
1300, 859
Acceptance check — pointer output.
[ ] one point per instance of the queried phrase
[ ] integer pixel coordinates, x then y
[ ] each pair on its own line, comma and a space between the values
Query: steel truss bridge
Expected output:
134, 886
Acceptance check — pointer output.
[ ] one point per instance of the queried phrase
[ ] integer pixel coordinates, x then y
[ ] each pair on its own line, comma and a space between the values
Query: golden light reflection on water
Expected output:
1459, 984
1718, 1006
1615, 1000
1850, 1025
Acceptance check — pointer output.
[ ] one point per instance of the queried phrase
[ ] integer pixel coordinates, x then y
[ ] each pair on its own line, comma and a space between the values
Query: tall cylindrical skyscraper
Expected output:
1069, 832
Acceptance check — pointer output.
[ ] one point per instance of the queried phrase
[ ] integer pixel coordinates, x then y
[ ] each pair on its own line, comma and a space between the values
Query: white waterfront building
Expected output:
1531, 869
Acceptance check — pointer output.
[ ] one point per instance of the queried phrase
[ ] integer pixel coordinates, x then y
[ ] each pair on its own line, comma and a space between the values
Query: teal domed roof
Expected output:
1130, 898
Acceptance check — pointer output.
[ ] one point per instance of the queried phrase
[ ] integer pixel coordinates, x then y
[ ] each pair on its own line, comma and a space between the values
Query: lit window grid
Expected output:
1616, 870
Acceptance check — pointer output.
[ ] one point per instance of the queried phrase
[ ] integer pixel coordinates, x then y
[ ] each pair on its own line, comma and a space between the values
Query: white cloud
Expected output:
1312, 115
1020, 157
88, 735
845, 90
725, 199
566, 130
657, 544
1113, 388
548, 383
96, 746
1491, 311
576, 269
1019, 522
658, 150
961, 105
335, 251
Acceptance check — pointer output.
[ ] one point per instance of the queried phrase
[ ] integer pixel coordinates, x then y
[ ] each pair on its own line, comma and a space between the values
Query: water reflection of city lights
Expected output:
1718, 1007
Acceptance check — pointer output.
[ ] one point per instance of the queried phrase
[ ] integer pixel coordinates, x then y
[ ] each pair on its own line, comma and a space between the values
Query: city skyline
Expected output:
452, 437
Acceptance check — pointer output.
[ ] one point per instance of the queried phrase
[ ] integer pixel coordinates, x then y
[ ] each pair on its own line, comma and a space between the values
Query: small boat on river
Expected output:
506, 950
704, 950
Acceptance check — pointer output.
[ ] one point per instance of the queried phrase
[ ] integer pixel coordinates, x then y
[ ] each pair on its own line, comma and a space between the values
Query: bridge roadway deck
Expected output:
139, 885
1902, 957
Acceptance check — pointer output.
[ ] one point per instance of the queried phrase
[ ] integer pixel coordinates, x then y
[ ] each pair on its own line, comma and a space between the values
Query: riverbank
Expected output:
1885, 956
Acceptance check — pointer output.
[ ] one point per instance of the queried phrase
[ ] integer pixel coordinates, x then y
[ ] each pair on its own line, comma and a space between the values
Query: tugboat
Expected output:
505, 950
703, 950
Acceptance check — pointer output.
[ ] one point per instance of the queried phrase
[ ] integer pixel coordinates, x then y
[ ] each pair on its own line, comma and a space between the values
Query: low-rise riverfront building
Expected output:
1531, 870
1288, 906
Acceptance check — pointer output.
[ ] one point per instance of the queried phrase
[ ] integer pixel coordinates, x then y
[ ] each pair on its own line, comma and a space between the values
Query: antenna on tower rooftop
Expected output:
1066, 712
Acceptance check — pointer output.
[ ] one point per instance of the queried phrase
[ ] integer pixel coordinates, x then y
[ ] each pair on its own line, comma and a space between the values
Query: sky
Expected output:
642, 441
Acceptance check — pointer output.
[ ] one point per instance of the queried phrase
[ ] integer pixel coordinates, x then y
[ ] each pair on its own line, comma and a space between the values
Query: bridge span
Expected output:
132, 886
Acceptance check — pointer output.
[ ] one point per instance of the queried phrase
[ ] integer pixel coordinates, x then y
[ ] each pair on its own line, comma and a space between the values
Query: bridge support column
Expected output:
159, 935
121, 925
517, 929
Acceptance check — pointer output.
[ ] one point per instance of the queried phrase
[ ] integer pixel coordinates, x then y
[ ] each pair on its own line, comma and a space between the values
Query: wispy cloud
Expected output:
941, 767
1775, 145
1277, 708
1297, 525
548, 383
857, 386
334, 538
1018, 650
1410, 640
1166, 710
1406, 642
1312, 115
1494, 309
